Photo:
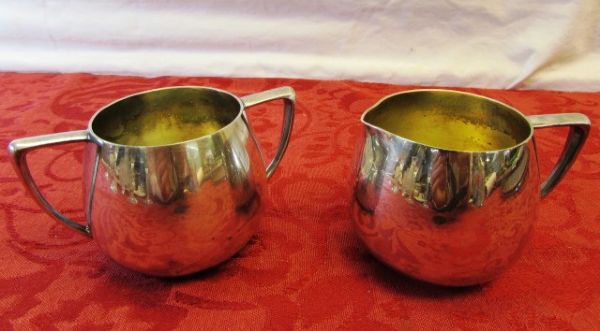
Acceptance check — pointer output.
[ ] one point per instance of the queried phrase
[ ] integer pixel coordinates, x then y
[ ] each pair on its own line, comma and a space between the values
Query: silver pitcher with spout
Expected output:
452, 217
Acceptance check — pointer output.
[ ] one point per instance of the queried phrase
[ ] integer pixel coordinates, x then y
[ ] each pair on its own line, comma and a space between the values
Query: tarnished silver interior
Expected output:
187, 105
466, 106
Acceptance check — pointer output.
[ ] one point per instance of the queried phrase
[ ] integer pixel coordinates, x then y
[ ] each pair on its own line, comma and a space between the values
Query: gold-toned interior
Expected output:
450, 120
165, 116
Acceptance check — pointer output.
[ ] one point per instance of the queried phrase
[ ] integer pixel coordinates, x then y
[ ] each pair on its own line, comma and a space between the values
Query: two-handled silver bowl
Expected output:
169, 209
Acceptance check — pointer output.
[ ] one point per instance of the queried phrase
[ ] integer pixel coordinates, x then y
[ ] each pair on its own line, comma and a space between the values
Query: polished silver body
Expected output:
173, 209
452, 217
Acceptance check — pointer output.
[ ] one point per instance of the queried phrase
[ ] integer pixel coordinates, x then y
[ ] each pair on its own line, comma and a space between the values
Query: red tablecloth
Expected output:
305, 269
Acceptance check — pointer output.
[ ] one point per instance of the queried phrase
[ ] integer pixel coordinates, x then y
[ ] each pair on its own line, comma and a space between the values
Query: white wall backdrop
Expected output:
547, 44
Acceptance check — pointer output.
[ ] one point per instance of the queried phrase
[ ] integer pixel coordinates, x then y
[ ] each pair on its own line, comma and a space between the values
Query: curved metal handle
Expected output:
289, 98
579, 129
18, 150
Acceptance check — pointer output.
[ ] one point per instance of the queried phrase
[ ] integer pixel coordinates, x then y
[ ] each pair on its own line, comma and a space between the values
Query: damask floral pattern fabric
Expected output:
305, 269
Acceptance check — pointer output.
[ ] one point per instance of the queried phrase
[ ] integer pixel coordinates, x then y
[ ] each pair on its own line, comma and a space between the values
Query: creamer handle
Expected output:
579, 128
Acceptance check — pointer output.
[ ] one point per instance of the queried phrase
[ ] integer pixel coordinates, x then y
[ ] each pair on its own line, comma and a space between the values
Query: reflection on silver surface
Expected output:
450, 217
178, 208
171, 209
